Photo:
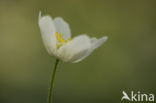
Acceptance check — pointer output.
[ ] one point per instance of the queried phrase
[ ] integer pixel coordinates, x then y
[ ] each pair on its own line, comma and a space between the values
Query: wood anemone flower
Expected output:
56, 36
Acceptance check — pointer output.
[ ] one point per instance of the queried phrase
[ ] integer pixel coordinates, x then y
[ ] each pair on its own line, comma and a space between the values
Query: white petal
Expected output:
95, 43
75, 49
98, 42
62, 27
48, 31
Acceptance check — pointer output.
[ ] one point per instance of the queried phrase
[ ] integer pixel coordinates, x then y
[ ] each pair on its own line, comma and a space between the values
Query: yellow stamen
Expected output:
66, 41
61, 40
69, 39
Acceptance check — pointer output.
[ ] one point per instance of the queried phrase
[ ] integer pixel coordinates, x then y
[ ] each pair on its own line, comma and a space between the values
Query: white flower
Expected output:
56, 37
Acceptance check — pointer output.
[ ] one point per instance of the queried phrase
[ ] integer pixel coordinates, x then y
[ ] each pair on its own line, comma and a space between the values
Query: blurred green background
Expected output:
127, 61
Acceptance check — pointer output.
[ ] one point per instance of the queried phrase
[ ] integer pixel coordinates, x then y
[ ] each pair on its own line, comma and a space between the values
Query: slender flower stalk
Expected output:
50, 98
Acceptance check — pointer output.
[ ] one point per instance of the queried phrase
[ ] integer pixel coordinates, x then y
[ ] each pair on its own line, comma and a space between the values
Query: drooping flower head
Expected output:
56, 36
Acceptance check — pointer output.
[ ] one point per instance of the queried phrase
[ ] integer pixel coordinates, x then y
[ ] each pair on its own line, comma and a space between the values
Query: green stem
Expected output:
52, 82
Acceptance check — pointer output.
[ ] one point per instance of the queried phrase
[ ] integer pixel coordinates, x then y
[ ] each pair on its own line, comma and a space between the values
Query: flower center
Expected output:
61, 40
